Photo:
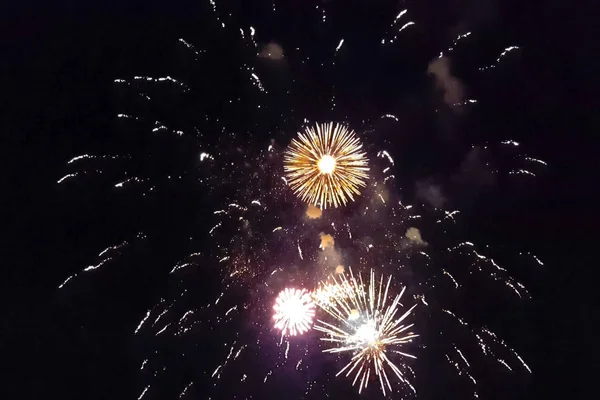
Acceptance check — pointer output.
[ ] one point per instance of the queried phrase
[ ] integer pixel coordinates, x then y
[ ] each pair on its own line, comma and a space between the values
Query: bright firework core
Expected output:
367, 334
326, 164
294, 311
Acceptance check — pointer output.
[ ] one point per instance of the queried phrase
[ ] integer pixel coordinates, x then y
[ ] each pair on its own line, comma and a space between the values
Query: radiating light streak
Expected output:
365, 324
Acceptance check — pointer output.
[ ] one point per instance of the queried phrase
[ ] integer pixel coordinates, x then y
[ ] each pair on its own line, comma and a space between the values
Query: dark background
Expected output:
59, 61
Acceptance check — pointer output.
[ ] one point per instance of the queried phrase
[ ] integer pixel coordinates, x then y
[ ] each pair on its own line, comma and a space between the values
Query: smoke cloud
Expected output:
272, 51
313, 212
330, 259
326, 241
452, 87
414, 235
431, 193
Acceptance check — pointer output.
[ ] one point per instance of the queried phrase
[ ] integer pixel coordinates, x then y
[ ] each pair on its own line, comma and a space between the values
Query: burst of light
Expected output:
365, 324
328, 292
324, 294
294, 311
325, 165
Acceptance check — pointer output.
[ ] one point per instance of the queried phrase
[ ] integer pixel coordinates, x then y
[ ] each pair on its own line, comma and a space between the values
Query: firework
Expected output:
366, 325
240, 180
294, 311
327, 293
325, 165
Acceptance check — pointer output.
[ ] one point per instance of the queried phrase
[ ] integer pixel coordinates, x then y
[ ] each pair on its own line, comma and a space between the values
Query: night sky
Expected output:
60, 64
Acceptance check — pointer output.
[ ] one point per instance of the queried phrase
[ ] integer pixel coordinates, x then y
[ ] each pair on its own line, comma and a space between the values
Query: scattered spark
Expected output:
144, 392
458, 38
142, 321
404, 26
185, 389
521, 172
451, 277
65, 282
400, 14
163, 329
258, 82
214, 227
390, 116
385, 154
501, 361
61, 180
537, 260
205, 156
536, 160
502, 55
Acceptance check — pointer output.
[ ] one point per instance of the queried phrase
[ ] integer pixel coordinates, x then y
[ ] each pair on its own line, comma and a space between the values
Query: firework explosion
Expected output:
366, 325
325, 166
256, 223
294, 311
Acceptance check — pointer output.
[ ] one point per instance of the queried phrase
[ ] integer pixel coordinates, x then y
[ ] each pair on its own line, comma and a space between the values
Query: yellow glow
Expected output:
326, 164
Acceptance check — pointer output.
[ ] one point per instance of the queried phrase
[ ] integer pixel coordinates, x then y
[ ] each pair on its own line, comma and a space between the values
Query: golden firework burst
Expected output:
325, 165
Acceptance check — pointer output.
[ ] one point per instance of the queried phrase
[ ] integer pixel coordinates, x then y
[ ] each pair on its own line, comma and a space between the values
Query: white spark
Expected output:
536, 160
505, 364
185, 389
205, 156
142, 321
179, 266
66, 280
66, 177
144, 392
451, 277
406, 25
163, 329
521, 172
504, 53
101, 263
214, 227
258, 83
401, 14
384, 153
